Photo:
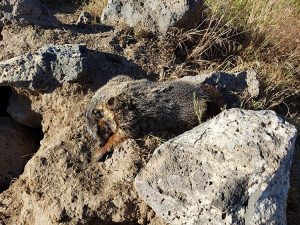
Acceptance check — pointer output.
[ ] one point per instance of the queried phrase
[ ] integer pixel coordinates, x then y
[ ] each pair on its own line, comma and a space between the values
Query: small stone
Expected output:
84, 18
20, 110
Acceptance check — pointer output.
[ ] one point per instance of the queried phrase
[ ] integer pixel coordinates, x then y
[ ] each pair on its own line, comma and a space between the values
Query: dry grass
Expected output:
274, 22
200, 107
95, 7
238, 35
211, 45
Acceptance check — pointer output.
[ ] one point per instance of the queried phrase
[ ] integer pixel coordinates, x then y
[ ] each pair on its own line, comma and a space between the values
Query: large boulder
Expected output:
233, 169
156, 15
17, 145
46, 68
25, 12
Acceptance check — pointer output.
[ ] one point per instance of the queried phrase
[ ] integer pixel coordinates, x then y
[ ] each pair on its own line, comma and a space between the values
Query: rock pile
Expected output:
167, 152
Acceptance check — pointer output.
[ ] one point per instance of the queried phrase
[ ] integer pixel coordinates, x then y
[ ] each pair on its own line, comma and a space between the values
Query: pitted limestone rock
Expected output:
231, 85
20, 109
233, 169
156, 15
25, 12
46, 68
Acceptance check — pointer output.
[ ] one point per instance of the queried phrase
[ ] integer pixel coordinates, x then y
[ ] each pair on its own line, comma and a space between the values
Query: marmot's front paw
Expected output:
113, 141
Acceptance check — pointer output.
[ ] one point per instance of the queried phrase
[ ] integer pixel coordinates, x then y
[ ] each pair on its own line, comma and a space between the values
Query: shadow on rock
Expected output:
87, 28
104, 66
232, 86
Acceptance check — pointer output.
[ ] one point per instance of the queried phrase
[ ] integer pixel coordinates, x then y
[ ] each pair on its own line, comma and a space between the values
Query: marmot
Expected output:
133, 109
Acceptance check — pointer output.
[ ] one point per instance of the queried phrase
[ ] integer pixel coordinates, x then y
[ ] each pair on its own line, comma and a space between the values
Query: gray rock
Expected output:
156, 15
231, 85
20, 110
233, 169
46, 68
17, 145
25, 12
84, 19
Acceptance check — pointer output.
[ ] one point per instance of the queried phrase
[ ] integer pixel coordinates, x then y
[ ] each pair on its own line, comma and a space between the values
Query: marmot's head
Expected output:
102, 123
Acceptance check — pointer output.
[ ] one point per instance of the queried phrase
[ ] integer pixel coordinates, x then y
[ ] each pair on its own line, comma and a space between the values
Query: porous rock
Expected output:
46, 68
231, 85
233, 169
20, 110
156, 15
84, 19
25, 12
17, 144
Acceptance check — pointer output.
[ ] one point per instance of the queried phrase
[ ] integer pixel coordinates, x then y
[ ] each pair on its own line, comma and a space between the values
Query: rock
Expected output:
156, 16
17, 145
84, 19
20, 110
25, 12
233, 169
231, 85
132, 109
235, 83
46, 68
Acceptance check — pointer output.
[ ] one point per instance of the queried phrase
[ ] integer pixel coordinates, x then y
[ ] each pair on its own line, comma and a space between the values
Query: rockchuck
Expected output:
133, 109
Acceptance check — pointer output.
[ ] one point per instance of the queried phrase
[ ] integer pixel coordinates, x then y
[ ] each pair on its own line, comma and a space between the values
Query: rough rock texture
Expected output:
20, 110
132, 109
25, 12
46, 68
231, 85
156, 15
17, 145
239, 82
84, 19
233, 169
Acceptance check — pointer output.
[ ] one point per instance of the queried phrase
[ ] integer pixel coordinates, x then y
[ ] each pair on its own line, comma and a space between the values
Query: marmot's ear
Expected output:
111, 101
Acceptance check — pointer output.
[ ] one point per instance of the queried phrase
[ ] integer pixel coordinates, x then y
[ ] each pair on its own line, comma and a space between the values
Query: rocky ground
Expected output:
92, 132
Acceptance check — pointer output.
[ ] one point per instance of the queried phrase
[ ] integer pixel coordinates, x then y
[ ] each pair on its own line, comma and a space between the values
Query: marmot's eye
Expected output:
98, 113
